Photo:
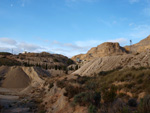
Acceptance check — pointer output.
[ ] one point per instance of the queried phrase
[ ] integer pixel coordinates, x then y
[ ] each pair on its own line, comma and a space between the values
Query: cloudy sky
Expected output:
71, 27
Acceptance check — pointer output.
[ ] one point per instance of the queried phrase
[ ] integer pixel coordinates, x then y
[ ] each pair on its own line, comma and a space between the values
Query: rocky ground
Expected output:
12, 102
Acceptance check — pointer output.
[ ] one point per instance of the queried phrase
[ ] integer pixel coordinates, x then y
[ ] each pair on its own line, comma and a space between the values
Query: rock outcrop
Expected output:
104, 49
111, 49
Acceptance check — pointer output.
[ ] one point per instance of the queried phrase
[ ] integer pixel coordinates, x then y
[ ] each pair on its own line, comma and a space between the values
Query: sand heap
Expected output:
16, 78
20, 77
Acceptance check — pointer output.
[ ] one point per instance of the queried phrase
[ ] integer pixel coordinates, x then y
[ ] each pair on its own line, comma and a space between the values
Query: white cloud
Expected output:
121, 41
8, 41
140, 31
29, 47
88, 43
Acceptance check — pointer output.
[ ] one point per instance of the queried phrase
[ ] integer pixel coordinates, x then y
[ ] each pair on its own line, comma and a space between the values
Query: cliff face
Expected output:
104, 49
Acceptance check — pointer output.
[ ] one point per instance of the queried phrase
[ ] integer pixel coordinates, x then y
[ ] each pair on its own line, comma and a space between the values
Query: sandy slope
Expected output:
114, 62
16, 78
21, 77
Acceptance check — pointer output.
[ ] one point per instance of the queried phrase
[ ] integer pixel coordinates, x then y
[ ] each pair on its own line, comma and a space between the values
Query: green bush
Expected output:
110, 95
56, 60
92, 109
140, 81
82, 80
144, 106
9, 62
71, 91
87, 98
5, 53
61, 84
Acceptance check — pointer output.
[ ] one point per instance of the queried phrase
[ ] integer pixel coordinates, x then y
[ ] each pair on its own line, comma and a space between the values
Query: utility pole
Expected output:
12, 51
130, 46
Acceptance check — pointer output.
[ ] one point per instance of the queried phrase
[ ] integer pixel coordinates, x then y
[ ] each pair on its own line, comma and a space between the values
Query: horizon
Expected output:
71, 27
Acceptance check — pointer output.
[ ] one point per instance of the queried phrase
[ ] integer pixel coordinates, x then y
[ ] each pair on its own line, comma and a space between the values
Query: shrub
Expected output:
140, 81
5, 53
56, 60
121, 95
92, 109
61, 84
144, 106
110, 95
42, 111
132, 103
117, 106
82, 80
91, 85
51, 85
87, 98
125, 110
71, 91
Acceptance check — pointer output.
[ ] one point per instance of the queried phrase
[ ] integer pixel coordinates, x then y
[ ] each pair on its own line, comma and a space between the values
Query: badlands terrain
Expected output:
107, 79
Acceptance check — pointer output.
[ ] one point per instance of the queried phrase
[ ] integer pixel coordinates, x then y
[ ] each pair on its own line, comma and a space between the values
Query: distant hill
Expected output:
104, 49
111, 49
44, 59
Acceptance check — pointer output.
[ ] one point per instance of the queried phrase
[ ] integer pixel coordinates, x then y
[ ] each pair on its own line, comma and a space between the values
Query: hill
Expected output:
108, 63
143, 45
111, 49
44, 60
104, 49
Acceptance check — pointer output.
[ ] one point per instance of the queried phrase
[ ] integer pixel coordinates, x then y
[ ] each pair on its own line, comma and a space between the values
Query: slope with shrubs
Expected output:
116, 91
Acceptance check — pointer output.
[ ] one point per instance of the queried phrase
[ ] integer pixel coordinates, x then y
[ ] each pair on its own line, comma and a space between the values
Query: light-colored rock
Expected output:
114, 62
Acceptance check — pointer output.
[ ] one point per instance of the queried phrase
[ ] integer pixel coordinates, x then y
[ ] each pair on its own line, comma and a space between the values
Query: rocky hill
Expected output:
44, 59
110, 49
104, 49
143, 45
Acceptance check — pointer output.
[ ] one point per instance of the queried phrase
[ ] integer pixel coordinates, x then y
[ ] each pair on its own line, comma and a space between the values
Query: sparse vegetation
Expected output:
144, 106
9, 62
71, 91
5, 53
105, 86
61, 84
51, 85
132, 102
110, 95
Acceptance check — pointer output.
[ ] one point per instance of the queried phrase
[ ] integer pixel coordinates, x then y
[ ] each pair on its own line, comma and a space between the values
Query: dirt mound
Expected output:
114, 62
16, 78
22, 77
104, 49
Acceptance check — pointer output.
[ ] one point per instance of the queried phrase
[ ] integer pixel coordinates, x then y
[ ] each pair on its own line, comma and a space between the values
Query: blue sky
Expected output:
71, 27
